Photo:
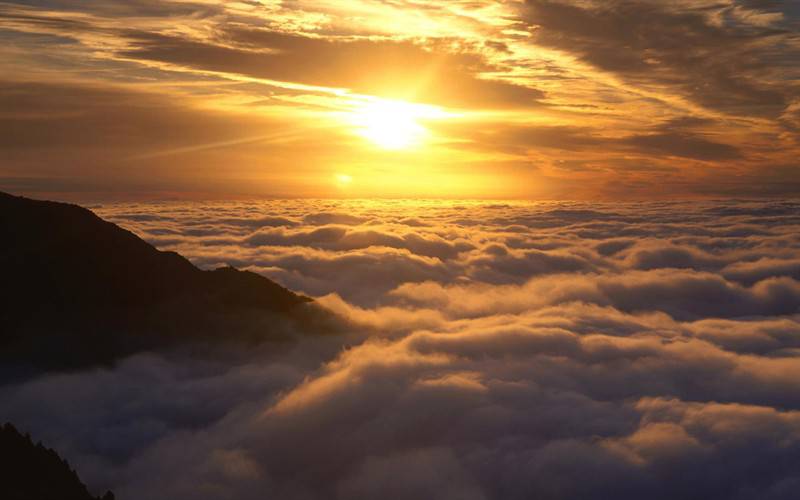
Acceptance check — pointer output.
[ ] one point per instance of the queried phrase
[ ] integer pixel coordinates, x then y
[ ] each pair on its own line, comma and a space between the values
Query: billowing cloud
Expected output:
565, 350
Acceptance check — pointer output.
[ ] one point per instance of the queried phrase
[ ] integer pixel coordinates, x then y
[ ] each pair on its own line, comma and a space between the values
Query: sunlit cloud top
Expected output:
484, 99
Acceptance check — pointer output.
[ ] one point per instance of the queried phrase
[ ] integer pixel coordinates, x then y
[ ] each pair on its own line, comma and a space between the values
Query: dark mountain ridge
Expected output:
33, 472
77, 290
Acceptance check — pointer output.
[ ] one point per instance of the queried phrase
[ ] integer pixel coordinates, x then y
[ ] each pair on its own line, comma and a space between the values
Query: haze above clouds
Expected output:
554, 350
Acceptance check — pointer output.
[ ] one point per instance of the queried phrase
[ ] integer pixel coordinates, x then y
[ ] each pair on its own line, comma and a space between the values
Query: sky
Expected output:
560, 240
503, 351
536, 99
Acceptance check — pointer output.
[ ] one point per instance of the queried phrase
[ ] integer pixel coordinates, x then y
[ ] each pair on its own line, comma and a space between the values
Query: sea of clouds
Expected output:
494, 351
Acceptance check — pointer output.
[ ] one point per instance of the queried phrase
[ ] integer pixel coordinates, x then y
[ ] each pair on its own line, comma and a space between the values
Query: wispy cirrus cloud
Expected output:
595, 99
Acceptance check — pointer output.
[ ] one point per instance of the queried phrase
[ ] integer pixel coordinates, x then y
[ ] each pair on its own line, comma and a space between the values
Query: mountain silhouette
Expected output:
32, 472
78, 290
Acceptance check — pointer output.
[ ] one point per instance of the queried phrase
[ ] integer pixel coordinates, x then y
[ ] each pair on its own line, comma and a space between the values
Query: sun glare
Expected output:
393, 124
343, 179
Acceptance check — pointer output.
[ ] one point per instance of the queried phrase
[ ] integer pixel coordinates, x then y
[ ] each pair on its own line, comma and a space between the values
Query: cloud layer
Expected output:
507, 351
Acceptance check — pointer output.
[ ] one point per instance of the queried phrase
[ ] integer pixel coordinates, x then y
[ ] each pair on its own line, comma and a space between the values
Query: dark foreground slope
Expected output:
76, 290
32, 472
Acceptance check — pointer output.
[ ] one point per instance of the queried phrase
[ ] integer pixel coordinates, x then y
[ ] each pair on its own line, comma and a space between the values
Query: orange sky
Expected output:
354, 98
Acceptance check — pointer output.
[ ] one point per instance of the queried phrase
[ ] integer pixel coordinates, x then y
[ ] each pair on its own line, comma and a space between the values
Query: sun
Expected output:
393, 125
